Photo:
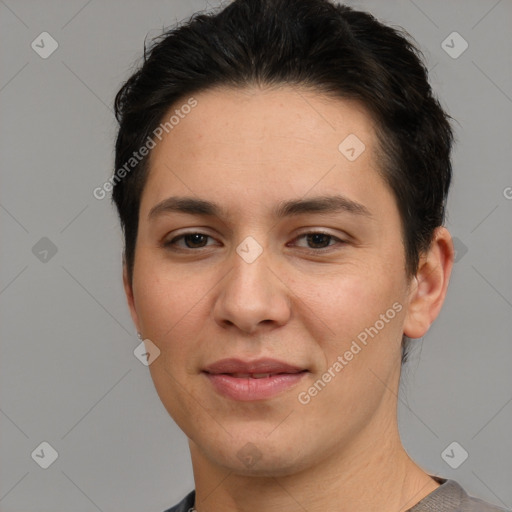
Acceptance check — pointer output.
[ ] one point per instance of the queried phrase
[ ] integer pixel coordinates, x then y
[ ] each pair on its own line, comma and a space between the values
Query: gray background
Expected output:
68, 373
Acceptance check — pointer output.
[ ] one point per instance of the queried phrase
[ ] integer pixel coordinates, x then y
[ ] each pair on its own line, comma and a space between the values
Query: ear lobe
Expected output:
429, 286
128, 290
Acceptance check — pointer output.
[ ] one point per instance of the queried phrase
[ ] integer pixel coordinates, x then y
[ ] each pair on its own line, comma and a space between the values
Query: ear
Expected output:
429, 285
128, 290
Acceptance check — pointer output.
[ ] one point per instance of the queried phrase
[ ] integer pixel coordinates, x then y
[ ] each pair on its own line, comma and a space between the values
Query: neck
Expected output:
374, 474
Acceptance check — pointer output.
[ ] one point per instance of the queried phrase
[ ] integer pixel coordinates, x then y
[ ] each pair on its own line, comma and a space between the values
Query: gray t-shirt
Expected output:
448, 497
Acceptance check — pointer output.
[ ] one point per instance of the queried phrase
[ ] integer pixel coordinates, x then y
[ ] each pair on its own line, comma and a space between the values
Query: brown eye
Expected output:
195, 240
191, 241
318, 240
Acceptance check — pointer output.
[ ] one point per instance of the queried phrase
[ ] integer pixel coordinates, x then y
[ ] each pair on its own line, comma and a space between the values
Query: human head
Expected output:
368, 77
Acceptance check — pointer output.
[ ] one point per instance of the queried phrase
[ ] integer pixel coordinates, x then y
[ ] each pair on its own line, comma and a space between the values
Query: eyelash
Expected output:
171, 244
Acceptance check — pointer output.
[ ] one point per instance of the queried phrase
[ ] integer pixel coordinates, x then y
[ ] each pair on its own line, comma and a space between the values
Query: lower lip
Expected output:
253, 389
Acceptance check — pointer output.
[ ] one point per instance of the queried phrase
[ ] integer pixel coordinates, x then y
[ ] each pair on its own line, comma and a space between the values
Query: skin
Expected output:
300, 301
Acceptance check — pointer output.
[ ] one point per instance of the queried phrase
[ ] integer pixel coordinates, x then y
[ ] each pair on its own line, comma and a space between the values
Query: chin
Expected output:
260, 457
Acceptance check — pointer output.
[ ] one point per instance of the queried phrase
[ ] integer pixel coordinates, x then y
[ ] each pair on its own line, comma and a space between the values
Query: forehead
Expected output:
226, 117
268, 141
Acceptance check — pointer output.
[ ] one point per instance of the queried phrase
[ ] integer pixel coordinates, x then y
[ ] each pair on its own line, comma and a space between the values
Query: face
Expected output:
279, 305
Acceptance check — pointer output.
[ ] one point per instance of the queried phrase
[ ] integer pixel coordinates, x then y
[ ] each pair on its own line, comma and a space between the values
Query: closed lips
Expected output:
262, 379
256, 375
252, 369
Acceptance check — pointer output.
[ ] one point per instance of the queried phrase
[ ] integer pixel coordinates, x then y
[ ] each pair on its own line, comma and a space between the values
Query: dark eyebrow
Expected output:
189, 205
320, 204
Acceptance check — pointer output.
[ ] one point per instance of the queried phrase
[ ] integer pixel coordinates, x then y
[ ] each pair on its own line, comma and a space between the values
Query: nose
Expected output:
252, 296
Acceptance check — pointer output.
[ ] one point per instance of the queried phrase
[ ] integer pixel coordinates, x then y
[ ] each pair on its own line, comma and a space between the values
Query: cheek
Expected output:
348, 301
360, 344
358, 321
169, 305
171, 311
